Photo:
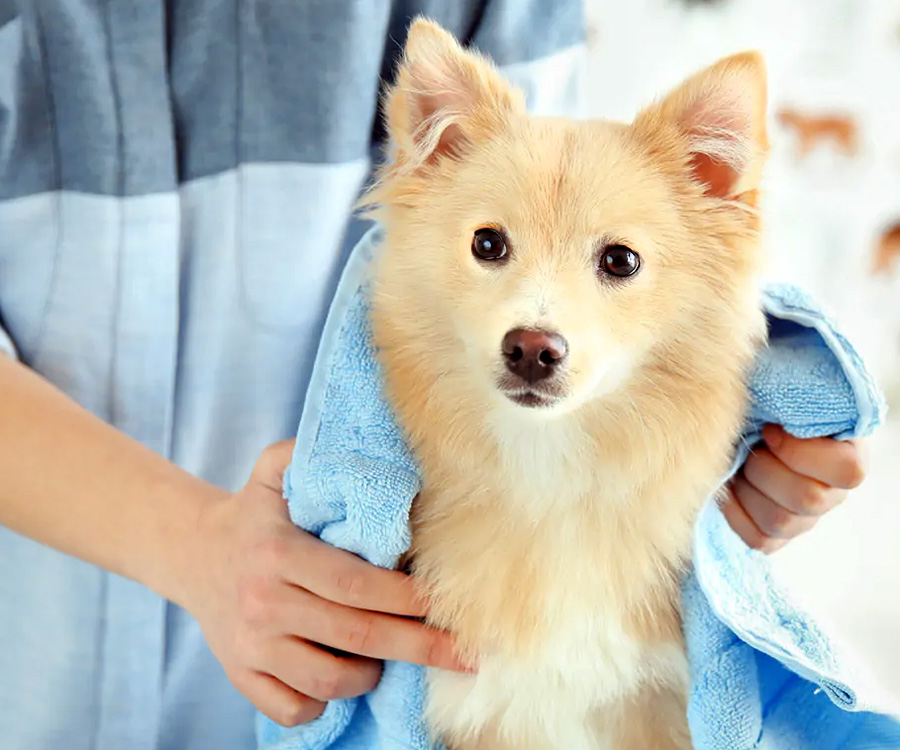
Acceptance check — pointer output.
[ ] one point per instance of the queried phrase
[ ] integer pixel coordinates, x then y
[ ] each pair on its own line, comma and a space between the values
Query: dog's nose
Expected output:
533, 355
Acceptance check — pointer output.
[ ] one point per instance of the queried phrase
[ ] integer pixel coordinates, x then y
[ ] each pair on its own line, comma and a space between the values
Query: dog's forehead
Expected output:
580, 178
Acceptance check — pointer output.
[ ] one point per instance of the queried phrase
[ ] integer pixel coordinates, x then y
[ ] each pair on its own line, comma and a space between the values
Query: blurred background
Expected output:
832, 218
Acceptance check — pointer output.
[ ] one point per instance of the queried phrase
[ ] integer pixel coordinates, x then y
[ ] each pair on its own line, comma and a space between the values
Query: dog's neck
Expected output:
553, 460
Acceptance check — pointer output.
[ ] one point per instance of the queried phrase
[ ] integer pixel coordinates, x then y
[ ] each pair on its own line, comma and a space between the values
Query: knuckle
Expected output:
790, 453
294, 711
351, 586
780, 523
371, 677
246, 647
433, 649
853, 474
755, 539
359, 635
814, 498
268, 456
328, 685
264, 463
770, 545
273, 552
271, 461
255, 600
760, 540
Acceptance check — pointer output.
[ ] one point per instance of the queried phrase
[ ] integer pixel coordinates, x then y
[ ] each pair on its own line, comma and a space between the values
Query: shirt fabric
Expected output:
176, 188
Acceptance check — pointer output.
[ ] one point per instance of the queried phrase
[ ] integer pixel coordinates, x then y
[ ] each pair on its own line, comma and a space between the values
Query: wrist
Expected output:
175, 548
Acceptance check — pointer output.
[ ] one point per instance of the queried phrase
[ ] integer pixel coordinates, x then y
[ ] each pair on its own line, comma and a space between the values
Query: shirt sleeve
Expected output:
540, 46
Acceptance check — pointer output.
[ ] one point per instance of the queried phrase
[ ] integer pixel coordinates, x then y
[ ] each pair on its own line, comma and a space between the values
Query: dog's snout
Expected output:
533, 354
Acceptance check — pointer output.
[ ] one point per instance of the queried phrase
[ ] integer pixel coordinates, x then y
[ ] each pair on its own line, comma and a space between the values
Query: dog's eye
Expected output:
489, 244
618, 260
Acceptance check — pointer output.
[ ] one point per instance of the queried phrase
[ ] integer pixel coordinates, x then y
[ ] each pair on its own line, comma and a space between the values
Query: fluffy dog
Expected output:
565, 312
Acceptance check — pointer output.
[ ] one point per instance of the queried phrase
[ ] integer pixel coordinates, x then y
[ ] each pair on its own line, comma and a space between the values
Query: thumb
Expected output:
272, 463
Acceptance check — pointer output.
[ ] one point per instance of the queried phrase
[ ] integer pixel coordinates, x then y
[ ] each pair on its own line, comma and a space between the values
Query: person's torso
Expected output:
176, 187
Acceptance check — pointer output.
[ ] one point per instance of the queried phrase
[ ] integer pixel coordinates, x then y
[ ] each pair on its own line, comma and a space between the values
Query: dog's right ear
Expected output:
445, 98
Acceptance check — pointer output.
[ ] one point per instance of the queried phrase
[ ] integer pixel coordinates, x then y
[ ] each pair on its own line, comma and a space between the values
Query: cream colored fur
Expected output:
552, 540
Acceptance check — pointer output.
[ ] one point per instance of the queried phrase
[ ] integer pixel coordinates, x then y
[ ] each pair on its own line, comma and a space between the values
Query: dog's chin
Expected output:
544, 397
555, 397
529, 398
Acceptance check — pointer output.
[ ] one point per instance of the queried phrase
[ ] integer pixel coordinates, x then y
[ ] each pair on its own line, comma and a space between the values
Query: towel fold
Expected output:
763, 674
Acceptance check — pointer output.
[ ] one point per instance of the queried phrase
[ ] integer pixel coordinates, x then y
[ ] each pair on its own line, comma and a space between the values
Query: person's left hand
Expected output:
787, 484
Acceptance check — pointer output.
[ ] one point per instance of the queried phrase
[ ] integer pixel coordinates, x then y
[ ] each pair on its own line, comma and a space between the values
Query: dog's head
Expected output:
542, 263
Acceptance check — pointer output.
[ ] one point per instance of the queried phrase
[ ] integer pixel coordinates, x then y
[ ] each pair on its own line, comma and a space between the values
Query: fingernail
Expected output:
862, 455
469, 666
467, 662
774, 435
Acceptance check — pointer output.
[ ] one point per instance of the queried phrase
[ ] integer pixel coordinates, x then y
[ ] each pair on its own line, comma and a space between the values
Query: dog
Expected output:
565, 313
840, 130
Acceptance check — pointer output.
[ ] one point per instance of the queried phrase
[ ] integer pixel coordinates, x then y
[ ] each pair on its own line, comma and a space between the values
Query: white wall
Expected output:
823, 215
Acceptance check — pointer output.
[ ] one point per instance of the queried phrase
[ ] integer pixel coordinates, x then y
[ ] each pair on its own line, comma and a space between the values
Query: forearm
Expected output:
73, 482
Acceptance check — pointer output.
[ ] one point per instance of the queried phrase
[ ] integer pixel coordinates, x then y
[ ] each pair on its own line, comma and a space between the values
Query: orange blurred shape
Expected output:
811, 129
888, 250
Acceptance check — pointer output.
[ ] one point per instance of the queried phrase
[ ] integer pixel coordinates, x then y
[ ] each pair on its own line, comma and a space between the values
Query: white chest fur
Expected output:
558, 698
584, 661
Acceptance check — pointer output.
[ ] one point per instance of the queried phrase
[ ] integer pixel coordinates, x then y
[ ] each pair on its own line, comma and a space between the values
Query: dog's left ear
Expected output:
719, 116
445, 98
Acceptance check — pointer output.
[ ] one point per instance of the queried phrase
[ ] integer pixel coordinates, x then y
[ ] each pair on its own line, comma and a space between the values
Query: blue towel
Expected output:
763, 675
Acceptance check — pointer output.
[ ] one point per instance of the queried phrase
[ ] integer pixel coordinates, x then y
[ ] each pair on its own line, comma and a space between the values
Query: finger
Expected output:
311, 671
272, 462
346, 579
770, 518
792, 491
836, 463
372, 634
744, 527
276, 700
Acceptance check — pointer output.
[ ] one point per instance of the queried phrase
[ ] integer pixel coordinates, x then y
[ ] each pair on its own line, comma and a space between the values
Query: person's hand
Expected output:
266, 595
787, 484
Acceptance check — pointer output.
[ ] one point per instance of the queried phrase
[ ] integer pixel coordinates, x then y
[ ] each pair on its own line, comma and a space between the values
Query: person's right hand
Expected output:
270, 599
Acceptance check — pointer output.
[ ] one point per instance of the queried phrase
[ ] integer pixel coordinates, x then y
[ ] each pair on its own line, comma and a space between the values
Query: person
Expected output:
176, 190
